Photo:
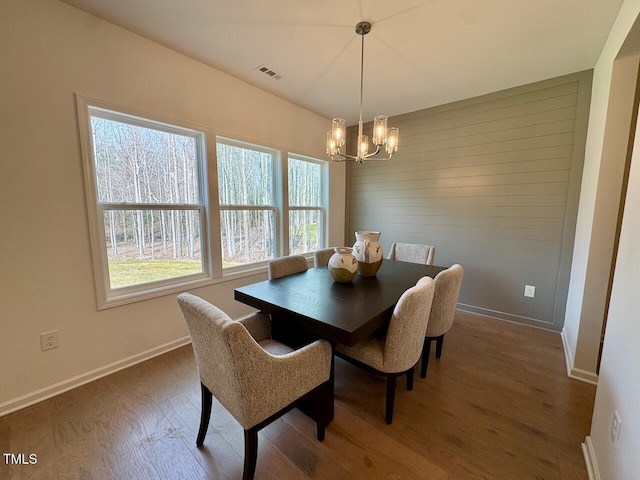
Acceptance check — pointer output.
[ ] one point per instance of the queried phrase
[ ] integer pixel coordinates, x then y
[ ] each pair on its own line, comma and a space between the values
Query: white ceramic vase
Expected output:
343, 266
368, 252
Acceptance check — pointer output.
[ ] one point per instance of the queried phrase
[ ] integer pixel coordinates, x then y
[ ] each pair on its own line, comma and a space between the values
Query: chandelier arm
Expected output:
353, 157
373, 153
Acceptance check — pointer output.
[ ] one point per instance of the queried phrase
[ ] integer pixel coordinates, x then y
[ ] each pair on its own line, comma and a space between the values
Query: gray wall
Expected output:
493, 182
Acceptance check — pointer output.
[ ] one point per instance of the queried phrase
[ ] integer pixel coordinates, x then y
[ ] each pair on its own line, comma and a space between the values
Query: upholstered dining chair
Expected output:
255, 378
443, 309
321, 257
412, 252
399, 350
283, 266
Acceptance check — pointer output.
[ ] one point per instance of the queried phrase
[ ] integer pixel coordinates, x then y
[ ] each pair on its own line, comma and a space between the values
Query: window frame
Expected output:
280, 207
275, 207
106, 296
209, 208
321, 209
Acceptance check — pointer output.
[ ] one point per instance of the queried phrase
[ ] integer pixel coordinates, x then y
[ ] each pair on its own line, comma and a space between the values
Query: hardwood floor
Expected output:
497, 405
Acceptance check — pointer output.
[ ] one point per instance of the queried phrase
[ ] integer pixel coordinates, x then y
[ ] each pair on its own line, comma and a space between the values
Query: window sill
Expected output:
118, 300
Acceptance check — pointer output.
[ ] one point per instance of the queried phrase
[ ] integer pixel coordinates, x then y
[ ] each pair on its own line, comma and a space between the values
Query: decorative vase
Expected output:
368, 253
343, 266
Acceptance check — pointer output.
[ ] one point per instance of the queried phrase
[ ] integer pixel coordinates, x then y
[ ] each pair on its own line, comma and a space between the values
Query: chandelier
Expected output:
382, 136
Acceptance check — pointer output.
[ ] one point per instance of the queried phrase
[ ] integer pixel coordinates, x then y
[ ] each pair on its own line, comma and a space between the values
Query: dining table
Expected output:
313, 303
309, 305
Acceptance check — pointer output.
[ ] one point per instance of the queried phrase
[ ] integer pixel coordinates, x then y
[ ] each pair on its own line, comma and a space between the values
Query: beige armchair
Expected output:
412, 252
443, 309
254, 377
398, 352
283, 266
321, 257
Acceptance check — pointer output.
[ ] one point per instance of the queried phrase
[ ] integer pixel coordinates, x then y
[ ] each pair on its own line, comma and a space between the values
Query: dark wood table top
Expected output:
339, 312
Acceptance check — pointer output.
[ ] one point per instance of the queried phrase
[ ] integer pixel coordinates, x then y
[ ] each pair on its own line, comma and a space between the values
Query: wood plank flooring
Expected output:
497, 406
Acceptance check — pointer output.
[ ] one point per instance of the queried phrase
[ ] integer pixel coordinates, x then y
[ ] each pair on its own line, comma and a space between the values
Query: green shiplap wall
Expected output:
493, 182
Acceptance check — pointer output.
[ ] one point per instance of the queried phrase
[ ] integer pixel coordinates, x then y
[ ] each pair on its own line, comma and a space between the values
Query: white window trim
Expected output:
105, 296
324, 195
210, 210
275, 207
280, 207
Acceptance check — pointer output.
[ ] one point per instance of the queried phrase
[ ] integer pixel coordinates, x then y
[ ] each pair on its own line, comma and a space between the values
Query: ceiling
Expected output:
420, 53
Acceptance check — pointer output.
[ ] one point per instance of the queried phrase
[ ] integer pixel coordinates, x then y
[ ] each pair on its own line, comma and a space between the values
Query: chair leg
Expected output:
205, 414
426, 350
323, 408
391, 397
250, 453
409, 374
439, 342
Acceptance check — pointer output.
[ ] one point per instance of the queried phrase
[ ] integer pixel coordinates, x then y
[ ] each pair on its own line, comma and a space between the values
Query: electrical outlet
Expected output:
49, 340
529, 291
616, 423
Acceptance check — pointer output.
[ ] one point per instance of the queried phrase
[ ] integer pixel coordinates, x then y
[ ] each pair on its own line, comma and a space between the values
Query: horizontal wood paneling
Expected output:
491, 182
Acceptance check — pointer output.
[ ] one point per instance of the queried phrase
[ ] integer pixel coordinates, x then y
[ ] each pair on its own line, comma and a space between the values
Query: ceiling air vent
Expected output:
267, 71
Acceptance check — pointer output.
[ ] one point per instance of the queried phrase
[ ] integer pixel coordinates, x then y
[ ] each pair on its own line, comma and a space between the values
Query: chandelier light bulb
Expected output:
331, 144
392, 140
338, 131
379, 129
363, 142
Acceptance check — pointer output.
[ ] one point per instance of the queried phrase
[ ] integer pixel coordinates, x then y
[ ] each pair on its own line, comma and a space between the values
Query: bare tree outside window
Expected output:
305, 205
247, 203
148, 190
150, 207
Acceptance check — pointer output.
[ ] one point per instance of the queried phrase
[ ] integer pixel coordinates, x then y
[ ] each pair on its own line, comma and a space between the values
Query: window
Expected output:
306, 212
155, 223
146, 191
246, 194
253, 227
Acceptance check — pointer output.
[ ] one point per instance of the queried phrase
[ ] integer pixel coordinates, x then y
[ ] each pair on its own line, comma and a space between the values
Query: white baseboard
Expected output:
584, 376
74, 382
590, 459
568, 355
572, 372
